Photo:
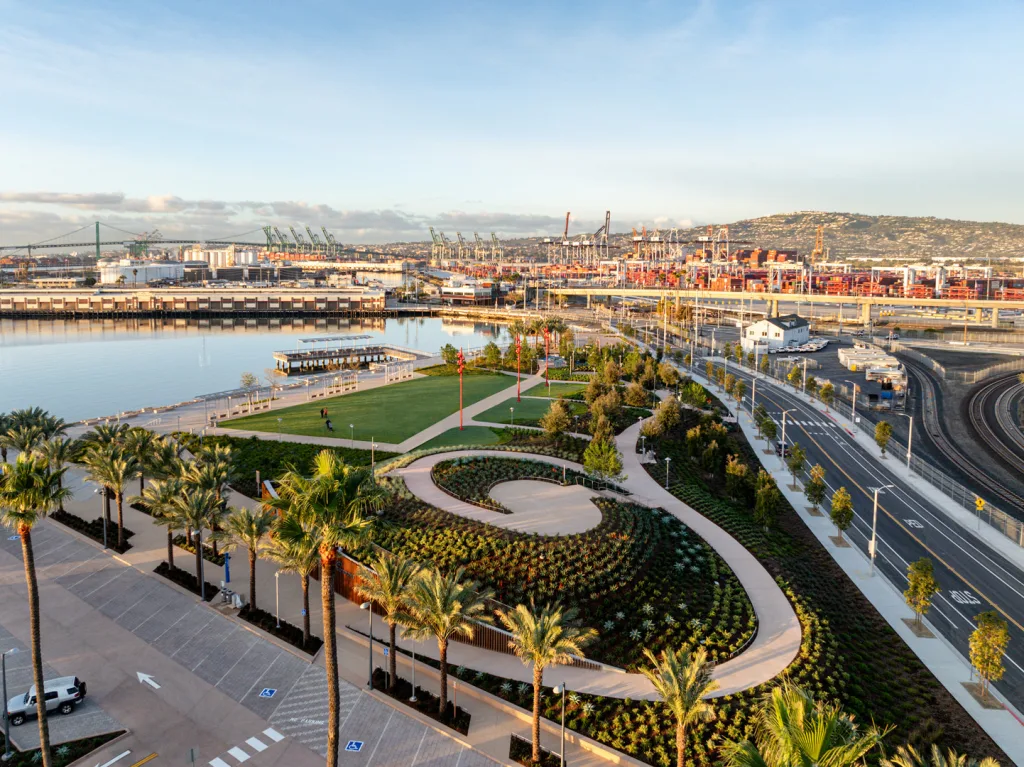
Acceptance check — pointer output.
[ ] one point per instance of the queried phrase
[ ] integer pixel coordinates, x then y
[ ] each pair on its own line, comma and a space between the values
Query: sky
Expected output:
380, 119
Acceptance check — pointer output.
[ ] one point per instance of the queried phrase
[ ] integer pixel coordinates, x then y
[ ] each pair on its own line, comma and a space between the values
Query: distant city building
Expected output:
774, 332
133, 272
220, 258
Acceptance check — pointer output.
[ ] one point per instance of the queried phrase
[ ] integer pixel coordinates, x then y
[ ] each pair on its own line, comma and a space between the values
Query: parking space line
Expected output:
103, 586
258, 678
377, 744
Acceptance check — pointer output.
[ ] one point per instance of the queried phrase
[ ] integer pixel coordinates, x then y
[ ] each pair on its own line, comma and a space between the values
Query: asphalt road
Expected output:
974, 578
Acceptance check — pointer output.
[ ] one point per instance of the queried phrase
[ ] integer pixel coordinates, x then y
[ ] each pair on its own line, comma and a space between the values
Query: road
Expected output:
974, 577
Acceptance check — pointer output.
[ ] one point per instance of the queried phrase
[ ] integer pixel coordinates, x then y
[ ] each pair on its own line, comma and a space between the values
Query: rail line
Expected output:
994, 399
965, 463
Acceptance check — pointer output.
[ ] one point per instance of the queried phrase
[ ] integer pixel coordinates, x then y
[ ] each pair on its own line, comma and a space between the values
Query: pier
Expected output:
340, 353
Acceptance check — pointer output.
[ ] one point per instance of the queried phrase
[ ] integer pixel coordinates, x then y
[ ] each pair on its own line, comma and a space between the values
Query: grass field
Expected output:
387, 413
471, 435
527, 412
556, 390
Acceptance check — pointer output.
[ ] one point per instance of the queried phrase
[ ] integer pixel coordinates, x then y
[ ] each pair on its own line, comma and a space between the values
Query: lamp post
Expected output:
413, 698
753, 393
512, 415
7, 723
461, 359
352, 434
100, 491
784, 414
873, 544
560, 690
368, 606
910, 435
668, 461
277, 596
853, 405
373, 461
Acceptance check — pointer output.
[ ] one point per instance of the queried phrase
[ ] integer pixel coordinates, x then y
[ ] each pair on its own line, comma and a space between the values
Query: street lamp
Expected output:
560, 690
872, 544
7, 723
100, 491
910, 435
197, 536
753, 393
512, 415
412, 647
368, 606
373, 462
352, 433
784, 414
668, 461
277, 595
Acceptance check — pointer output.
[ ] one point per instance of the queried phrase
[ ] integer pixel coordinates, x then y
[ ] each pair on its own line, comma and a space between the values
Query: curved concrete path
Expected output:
778, 637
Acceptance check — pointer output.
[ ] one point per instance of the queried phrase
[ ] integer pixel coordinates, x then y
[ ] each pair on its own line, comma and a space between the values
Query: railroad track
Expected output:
930, 403
995, 399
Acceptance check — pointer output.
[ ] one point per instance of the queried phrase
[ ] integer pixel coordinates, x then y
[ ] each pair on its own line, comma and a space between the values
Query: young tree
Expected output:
769, 429
637, 395
764, 365
811, 387
612, 372
709, 370
449, 354
988, 644
683, 681
668, 375
796, 459
827, 394
842, 510
727, 350
908, 756
492, 355
542, 637
739, 389
751, 360
668, 415
735, 475
795, 375
387, 583
694, 441
767, 500
248, 381
557, 419
711, 458
883, 433
921, 587
814, 490
602, 459
729, 383
760, 416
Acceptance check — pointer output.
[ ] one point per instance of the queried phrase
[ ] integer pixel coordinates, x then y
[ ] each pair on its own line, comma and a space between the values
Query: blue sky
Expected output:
377, 119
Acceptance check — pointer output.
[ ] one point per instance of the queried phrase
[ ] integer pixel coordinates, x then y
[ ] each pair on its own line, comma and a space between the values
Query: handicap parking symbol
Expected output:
386, 651
354, 745
13, 537
268, 692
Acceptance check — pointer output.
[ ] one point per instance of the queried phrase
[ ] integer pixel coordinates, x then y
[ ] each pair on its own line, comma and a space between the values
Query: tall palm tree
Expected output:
143, 444
52, 426
386, 582
105, 433
28, 416
443, 607
536, 327
245, 527
29, 490
908, 756
329, 508
6, 422
542, 638
193, 509
160, 498
58, 452
113, 467
301, 557
23, 437
792, 729
683, 681
214, 469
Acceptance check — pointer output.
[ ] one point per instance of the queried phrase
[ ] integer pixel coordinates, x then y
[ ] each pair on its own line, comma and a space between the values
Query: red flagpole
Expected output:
519, 351
547, 354
462, 366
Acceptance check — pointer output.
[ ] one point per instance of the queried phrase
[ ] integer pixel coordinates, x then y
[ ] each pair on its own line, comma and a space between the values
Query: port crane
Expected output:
463, 247
314, 238
331, 242
285, 245
819, 253
449, 251
300, 241
479, 251
496, 250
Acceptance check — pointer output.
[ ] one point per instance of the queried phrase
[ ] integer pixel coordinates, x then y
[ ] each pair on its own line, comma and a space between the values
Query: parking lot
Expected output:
285, 690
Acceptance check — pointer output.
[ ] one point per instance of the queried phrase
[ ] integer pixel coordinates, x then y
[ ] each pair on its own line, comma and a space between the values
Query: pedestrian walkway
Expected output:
778, 636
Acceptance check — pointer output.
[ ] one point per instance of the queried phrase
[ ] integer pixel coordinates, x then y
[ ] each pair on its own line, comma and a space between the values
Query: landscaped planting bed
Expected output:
94, 529
63, 754
457, 718
186, 580
183, 543
287, 632
641, 577
470, 479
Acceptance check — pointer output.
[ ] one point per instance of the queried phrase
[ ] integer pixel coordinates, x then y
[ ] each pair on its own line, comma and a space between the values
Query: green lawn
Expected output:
387, 413
556, 390
471, 435
527, 413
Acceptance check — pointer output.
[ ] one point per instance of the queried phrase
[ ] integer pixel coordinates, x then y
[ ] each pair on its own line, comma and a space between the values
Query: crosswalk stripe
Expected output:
218, 762
273, 734
239, 754
256, 744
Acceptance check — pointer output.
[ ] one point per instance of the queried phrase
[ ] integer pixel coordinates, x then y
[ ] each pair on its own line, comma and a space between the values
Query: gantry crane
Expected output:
285, 245
496, 250
446, 244
436, 245
463, 247
332, 244
300, 242
269, 233
315, 241
479, 251
819, 254
601, 235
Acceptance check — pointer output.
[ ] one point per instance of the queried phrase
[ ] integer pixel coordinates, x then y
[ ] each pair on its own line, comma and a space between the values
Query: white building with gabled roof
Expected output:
775, 332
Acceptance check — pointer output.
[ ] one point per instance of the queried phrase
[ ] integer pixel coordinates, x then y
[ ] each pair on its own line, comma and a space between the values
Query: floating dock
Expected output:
340, 353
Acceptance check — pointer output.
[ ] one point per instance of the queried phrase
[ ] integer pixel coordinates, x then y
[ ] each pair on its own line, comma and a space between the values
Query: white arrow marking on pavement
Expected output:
117, 758
147, 679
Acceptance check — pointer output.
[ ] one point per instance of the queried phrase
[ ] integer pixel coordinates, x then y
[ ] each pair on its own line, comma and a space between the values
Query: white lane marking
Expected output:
256, 744
239, 754
116, 759
273, 734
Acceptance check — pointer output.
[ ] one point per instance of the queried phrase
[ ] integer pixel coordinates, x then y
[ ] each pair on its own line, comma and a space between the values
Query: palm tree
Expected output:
105, 434
58, 452
908, 756
535, 327
301, 557
144, 445
444, 607
214, 469
193, 510
160, 498
29, 490
542, 638
6, 423
23, 437
113, 467
386, 581
52, 426
327, 510
683, 681
247, 528
791, 729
